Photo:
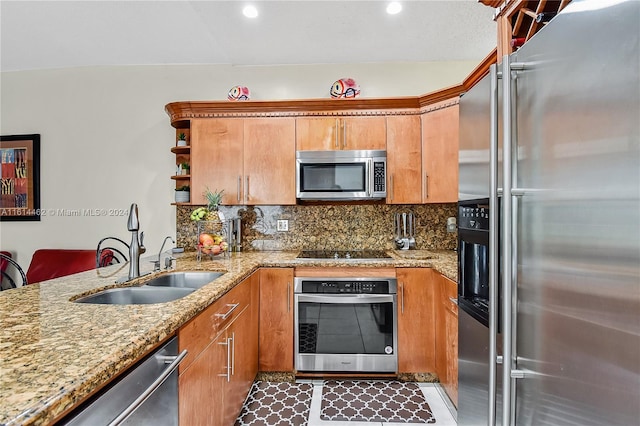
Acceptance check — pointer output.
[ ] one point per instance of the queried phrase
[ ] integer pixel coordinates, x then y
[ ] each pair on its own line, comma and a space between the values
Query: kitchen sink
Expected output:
187, 279
136, 295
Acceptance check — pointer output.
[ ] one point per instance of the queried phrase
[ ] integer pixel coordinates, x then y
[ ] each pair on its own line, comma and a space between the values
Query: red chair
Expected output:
6, 280
47, 264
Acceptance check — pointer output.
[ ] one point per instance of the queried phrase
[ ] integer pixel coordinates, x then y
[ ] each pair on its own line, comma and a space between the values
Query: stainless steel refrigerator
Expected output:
551, 140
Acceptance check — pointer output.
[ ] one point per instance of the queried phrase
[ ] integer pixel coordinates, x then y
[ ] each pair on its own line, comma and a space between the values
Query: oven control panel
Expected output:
346, 287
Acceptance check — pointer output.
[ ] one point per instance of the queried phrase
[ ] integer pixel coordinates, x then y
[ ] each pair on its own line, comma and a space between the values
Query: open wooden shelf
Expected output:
181, 177
181, 150
517, 20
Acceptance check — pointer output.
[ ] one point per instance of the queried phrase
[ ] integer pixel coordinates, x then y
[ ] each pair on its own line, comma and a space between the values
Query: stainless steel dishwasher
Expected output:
146, 394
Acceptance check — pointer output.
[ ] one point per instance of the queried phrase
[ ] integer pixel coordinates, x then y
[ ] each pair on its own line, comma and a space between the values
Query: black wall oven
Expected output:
345, 324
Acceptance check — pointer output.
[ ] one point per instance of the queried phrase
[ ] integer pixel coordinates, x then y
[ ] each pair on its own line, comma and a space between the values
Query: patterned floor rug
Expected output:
276, 404
374, 401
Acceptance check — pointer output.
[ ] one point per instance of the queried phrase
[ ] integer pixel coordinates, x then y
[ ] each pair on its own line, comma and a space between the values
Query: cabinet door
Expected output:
317, 134
276, 319
450, 291
243, 364
363, 133
216, 158
441, 329
269, 161
416, 318
201, 386
440, 155
404, 162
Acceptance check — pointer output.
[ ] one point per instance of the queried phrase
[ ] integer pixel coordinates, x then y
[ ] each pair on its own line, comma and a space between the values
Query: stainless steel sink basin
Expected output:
187, 279
135, 295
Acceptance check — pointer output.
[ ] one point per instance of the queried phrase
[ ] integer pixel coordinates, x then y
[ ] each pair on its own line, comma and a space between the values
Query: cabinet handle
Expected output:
454, 300
246, 188
402, 297
226, 314
228, 366
239, 184
391, 187
232, 342
288, 296
335, 133
426, 185
344, 134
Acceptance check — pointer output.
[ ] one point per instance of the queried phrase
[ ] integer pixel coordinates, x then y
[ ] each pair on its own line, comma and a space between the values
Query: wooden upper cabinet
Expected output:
269, 161
440, 143
317, 134
364, 133
404, 165
251, 159
340, 133
216, 158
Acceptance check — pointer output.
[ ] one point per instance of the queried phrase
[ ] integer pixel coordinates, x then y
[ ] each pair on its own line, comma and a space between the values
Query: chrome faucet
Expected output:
136, 248
156, 263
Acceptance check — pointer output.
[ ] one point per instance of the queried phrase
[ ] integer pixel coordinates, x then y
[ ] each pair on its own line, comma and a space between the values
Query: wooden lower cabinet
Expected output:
218, 376
416, 320
447, 336
276, 319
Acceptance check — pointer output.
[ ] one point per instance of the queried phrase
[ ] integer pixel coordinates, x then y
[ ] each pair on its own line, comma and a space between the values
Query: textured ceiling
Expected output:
59, 34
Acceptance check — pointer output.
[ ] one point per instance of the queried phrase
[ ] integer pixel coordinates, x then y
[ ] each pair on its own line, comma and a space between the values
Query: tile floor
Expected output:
346, 403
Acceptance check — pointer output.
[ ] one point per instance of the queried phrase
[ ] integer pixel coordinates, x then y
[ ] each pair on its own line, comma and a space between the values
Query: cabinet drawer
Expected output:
198, 333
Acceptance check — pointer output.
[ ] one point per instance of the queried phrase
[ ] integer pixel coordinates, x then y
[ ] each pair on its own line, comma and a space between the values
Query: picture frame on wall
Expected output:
20, 179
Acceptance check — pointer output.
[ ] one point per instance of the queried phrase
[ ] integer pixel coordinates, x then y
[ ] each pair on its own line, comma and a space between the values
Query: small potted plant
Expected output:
182, 139
185, 168
183, 195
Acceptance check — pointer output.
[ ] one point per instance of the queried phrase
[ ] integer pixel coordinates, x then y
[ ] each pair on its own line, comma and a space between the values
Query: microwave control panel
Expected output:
378, 176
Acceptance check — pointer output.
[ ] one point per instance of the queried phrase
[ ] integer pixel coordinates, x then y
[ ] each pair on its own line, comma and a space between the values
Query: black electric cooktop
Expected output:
343, 254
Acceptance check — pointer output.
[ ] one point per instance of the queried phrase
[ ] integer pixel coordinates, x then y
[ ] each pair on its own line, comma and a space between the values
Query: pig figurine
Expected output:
344, 88
239, 93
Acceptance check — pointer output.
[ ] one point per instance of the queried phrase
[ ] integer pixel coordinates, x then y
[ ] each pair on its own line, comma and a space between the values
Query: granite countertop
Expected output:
55, 352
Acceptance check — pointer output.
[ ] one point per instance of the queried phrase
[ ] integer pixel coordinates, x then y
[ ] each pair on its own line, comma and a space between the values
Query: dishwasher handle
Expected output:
152, 387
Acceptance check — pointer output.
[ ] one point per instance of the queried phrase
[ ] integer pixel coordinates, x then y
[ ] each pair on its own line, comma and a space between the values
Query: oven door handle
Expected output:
350, 298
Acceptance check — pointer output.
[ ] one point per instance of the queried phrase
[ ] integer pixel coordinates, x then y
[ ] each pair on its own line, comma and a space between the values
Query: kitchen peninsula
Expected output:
56, 353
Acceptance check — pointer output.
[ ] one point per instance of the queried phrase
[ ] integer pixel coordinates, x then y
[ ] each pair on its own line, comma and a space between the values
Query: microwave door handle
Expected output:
369, 179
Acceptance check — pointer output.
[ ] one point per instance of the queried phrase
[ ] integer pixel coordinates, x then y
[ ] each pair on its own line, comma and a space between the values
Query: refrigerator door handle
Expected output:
493, 246
507, 244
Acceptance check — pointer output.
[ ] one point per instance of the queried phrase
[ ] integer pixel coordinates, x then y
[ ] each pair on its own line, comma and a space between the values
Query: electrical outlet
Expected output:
283, 225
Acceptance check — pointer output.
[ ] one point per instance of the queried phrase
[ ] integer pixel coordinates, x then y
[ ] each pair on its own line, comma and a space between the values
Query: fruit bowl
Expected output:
212, 239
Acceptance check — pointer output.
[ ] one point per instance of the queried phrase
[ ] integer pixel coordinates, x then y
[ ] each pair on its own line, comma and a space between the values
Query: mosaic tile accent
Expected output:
337, 227
374, 401
276, 404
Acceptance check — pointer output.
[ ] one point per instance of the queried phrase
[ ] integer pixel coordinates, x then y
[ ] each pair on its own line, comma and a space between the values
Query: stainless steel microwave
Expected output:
341, 175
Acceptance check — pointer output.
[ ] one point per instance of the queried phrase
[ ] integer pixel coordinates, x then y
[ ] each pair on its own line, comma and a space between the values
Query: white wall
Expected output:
105, 137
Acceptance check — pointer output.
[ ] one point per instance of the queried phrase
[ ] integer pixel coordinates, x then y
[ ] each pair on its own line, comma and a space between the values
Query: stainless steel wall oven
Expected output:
346, 324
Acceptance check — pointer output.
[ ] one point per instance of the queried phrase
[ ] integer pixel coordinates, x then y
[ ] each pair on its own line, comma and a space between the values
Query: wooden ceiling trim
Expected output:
441, 95
481, 70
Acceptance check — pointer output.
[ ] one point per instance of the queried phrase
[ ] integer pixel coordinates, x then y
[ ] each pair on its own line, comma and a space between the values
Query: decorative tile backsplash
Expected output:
337, 227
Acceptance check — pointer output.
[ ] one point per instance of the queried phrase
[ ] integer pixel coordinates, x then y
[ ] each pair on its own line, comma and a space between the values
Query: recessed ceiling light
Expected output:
394, 7
250, 11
